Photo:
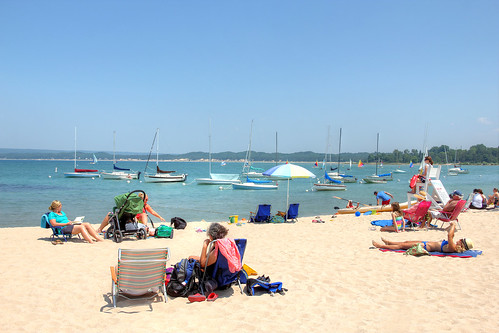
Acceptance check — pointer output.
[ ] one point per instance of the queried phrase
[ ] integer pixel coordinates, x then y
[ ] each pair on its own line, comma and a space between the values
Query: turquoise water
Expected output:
28, 187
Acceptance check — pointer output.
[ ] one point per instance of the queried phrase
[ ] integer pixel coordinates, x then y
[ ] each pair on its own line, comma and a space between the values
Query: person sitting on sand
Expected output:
141, 217
448, 246
494, 198
350, 204
397, 218
58, 218
384, 196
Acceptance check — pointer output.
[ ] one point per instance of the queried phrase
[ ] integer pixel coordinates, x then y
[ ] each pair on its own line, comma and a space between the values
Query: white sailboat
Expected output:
81, 173
161, 176
337, 175
248, 183
118, 173
217, 178
377, 179
327, 183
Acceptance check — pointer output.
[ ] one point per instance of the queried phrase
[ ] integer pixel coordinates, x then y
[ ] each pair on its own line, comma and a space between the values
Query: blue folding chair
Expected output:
262, 214
56, 231
220, 271
292, 214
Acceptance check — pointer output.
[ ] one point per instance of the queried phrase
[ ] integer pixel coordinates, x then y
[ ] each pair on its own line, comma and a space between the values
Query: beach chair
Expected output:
262, 214
56, 231
417, 216
140, 272
452, 216
220, 271
292, 214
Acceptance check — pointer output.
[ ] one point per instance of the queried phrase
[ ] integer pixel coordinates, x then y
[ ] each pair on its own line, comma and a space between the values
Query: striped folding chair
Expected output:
140, 272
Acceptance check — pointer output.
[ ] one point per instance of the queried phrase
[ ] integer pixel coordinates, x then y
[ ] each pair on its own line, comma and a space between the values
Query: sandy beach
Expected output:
336, 281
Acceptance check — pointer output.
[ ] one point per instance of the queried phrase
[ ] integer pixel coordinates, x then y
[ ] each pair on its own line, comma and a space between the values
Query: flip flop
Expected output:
212, 297
196, 298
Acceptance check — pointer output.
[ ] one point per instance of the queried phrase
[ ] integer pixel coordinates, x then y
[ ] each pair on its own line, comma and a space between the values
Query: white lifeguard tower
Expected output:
433, 187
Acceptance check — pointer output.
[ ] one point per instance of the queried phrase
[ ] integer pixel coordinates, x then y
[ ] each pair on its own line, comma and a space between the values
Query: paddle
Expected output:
349, 200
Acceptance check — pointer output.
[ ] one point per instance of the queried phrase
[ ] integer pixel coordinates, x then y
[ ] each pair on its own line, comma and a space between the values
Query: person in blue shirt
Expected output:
58, 218
384, 196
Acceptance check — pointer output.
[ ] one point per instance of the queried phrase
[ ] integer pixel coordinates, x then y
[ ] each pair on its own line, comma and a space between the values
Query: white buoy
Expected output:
220, 188
50, 176
128, 181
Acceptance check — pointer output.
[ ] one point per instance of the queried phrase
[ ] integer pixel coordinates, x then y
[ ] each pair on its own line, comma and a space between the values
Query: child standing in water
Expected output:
397, 219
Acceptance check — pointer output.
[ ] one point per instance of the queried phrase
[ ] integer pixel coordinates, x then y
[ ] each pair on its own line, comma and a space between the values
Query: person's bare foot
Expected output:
387, 242
376, 244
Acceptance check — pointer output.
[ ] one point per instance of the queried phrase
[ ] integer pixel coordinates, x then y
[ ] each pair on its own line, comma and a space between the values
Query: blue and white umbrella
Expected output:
288, 171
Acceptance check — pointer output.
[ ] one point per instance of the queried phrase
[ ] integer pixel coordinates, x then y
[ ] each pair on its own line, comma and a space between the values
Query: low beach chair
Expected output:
417, 216
292, 214
140, 272
452, 216
220, 271
262, 214
56, 231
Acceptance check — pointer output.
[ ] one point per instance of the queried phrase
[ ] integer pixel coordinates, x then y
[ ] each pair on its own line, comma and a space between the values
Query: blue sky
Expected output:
400, 68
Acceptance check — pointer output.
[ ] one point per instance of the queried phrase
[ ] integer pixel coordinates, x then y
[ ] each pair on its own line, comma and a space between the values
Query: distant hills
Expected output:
478, 154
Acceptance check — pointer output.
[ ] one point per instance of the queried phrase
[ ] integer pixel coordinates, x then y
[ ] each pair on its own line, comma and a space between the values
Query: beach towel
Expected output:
465, 254
382, 223
228, 249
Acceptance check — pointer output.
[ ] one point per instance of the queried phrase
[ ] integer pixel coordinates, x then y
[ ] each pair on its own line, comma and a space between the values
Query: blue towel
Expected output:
465, 254
382, 223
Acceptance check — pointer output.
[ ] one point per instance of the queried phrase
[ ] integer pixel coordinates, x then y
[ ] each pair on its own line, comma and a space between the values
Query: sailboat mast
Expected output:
157, 149
75, 147
114, 147
339, 154
377, 148
209, 152
276, 154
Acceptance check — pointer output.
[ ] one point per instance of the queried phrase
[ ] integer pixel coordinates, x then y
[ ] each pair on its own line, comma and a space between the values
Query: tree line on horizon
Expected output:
477, 154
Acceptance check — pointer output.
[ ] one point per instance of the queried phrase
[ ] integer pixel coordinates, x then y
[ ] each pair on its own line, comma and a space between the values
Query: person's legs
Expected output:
104, 223
91, 231
78, 229
395, 245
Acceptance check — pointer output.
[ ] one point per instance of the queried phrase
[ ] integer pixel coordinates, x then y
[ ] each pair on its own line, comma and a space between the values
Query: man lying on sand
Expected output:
448, 245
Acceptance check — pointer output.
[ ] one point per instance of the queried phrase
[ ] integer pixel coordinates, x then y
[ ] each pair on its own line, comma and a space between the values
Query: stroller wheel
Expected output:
109, 233
118, 236
141, 234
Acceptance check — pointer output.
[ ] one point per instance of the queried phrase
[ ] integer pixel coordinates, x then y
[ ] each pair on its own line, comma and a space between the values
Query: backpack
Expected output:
185, 277
163, 231
178, 223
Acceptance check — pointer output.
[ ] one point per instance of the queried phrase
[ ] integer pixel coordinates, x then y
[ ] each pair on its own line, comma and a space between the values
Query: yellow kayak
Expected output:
387, 208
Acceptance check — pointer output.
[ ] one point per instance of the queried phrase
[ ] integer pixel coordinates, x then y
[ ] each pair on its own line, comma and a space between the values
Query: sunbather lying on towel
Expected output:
448, 245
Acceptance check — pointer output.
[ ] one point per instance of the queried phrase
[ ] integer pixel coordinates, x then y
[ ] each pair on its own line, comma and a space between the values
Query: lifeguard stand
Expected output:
433, 187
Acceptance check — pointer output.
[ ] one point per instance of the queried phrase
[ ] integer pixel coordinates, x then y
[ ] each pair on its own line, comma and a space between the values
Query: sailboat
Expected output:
251, 183
377, 179
118, 173
337, 175
161, 176
328, 183
217, 178
81, 173
457, 167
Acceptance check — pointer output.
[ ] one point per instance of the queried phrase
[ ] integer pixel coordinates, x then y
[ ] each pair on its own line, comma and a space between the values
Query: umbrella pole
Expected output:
287, 200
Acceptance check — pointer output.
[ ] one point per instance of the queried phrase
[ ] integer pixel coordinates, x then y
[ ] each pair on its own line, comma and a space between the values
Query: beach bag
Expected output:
163, 231
178, 223
277, 219
417, 250
262, 283
184, 279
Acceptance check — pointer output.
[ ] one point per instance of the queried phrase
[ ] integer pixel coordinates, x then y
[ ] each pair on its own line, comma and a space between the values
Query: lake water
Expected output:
28, 188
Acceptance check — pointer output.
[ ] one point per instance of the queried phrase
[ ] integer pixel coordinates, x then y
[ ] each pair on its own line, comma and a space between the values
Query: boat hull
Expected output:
253, 186
165, 178
387, 208
373, 181
118, 175
211, 181
329, 187
81, 175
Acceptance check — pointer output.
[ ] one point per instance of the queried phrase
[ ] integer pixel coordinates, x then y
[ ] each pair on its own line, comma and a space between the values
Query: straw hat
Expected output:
421, 195
468, 243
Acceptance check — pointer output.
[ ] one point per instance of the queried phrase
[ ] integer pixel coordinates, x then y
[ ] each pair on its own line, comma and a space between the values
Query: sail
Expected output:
121, 169
158, 170
94, 160
360, 165
326, 176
